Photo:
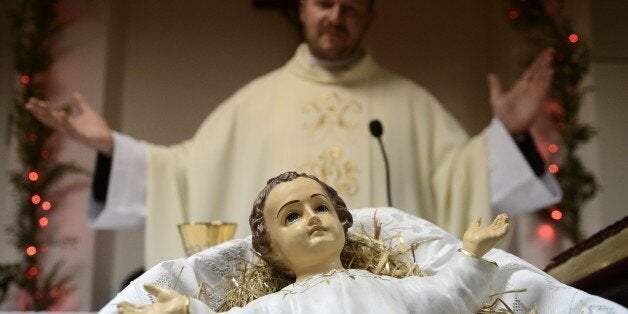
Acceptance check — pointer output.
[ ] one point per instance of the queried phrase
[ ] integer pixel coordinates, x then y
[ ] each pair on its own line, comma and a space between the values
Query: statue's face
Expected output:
302, 224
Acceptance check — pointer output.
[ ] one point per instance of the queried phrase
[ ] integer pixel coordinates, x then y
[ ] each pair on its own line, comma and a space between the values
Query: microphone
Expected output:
377, 130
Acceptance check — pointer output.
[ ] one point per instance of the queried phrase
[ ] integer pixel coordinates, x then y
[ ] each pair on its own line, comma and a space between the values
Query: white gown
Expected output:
461, 287
214, 266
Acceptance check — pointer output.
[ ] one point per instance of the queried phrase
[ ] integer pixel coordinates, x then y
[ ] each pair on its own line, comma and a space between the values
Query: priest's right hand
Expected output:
77, 119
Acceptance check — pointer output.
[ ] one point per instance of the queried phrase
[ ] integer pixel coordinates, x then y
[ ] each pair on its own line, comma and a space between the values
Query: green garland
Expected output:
34, 24
543, 24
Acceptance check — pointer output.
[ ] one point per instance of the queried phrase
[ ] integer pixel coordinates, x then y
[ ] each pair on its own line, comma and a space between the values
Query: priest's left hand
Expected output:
518, 107
168, 301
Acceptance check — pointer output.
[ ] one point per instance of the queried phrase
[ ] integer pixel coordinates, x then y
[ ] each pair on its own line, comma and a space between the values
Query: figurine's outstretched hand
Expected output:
77, 119
479, 240
168, 301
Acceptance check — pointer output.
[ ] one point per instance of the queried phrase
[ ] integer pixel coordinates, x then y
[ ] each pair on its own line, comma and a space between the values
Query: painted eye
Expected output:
322, 208
292, 217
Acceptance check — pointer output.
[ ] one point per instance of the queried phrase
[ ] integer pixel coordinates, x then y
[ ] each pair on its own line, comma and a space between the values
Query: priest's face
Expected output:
334, 29
302, 224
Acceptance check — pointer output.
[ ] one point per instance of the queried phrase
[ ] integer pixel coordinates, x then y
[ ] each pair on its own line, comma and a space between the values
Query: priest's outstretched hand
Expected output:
168, 301
75, 118
479, 240
518, 107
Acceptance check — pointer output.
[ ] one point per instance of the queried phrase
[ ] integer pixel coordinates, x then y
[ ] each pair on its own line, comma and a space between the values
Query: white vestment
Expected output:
455, 284
306, 118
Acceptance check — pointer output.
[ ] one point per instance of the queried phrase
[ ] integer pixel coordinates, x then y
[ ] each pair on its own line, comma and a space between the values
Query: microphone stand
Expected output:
377, 130
381, 145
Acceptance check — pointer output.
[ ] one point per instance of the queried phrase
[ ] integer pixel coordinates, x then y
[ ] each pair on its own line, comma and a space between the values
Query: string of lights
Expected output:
543, 23
34, 25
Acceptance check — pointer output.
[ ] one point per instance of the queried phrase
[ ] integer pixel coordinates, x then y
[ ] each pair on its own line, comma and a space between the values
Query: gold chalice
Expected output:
198, 236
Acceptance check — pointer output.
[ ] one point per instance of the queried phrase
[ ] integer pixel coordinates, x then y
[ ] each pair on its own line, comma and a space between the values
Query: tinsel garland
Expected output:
543, 24
34, 25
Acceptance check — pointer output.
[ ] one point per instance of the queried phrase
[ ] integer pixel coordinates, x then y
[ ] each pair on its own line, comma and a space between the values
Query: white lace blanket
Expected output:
207, 273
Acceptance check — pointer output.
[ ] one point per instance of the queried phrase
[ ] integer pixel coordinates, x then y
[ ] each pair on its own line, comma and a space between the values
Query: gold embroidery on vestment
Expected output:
330, 167
331, 110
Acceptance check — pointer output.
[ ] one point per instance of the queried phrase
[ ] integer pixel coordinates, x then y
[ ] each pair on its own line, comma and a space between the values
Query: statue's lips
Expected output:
317, 228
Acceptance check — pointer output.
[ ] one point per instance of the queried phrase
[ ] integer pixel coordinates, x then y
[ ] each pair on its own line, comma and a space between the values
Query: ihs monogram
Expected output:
331, 110
331, 167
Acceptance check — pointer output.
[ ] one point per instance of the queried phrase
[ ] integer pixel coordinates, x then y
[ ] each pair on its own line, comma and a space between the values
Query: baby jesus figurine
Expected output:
299, 226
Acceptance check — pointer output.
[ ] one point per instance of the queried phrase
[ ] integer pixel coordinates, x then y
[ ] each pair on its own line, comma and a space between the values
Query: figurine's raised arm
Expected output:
479, 240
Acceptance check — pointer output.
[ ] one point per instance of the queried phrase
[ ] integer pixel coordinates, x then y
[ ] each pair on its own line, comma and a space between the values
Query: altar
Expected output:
597, 265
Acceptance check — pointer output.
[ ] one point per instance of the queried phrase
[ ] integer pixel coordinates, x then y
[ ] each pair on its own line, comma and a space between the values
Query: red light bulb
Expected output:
513, 14
546, 232
573, 38
32, 272
31, 250
33, 176
35, 199
553, 168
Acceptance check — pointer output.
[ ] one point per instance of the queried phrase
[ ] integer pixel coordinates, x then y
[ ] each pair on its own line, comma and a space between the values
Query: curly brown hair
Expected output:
261, 240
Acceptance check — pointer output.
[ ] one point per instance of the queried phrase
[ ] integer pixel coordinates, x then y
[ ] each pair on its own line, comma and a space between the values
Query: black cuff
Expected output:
527, 147
100, 184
